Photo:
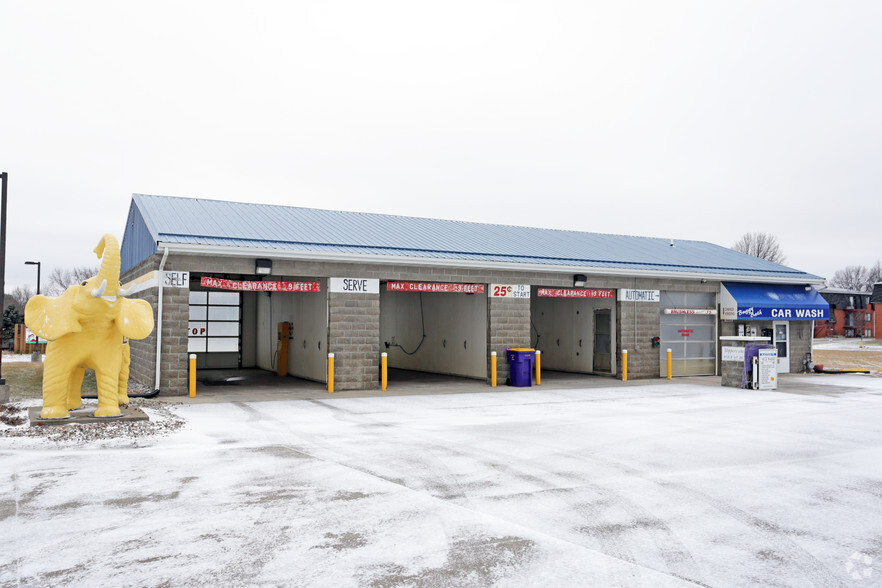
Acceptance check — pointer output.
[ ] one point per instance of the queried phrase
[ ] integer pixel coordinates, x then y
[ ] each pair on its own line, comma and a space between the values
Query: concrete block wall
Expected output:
353, 333
142, 369
508, 326
643, 358
353, 338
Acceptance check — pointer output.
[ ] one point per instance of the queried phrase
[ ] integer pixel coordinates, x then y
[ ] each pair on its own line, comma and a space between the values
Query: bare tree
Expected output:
762, 245
852, 277
874, 274
20, 296
59, 279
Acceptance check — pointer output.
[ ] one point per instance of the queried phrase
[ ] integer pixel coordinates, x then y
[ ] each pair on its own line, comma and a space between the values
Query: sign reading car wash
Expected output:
638, 295
435, 287
256, 286
354, 285
510, 290
575, 293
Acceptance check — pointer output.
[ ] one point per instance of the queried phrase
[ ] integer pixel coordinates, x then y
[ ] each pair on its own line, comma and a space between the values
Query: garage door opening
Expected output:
237, 325
436, 328
574, 329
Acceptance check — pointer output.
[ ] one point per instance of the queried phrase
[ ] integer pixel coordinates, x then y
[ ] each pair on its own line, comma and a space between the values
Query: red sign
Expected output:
567, 293
244, 286
434, 287
685, 332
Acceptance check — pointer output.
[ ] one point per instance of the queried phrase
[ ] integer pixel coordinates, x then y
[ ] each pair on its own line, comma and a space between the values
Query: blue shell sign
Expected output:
779, 302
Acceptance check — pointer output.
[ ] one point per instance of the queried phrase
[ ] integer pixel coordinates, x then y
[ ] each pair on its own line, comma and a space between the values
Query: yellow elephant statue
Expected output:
86, 328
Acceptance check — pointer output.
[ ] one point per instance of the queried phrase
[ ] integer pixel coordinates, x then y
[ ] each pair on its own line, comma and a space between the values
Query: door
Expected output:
691, 336
602, 347
781, 341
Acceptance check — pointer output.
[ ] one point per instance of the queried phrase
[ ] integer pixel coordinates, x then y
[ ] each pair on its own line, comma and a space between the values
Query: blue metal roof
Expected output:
270, 227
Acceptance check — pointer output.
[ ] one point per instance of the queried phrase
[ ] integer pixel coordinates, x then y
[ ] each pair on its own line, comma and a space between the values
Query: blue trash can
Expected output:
520, 362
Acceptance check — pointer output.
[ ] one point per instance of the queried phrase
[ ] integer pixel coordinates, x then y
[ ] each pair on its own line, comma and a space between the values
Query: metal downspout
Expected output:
159, 322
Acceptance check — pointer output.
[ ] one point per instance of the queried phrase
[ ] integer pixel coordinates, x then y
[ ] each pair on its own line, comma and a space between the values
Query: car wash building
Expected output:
279, 288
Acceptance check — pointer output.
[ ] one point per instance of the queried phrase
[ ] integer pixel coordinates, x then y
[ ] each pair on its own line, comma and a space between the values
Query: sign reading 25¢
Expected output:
510, 290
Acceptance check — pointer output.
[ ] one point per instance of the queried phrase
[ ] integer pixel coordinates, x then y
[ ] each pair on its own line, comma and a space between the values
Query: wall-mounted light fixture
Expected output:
579, 280
263, 267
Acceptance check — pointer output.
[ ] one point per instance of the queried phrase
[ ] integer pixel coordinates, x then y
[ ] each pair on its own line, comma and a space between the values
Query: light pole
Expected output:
4, 391
36, 263
36, 357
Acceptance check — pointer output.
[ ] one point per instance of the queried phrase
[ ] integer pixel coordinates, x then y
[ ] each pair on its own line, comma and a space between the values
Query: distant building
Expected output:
852, 314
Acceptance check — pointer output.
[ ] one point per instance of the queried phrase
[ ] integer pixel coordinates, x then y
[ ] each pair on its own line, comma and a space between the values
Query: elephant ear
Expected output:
135, 319
51, 318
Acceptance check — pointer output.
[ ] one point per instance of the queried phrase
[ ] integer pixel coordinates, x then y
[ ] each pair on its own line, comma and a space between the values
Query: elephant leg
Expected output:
56, 377
108, 382
123, 389
75, 388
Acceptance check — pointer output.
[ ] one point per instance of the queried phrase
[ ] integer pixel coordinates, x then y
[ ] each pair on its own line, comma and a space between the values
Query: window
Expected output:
868, 332
214, 322
868, 317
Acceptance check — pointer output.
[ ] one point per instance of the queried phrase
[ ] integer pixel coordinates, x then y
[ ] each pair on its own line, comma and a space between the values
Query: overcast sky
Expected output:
684, 120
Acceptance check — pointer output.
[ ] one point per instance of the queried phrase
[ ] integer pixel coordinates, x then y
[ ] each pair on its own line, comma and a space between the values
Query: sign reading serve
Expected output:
355, 285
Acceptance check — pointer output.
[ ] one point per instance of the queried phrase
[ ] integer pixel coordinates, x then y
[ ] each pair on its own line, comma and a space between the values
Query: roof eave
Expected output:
196, 249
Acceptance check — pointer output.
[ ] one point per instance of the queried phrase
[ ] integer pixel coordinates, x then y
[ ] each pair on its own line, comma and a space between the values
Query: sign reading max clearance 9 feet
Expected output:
435, 287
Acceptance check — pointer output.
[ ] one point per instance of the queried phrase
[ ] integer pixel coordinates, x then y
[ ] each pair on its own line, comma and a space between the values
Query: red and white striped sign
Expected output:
254, 286
434, 287
568, 293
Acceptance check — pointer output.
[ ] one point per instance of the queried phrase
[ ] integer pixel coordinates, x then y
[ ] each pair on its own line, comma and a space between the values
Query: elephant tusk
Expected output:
99, 291
122, 292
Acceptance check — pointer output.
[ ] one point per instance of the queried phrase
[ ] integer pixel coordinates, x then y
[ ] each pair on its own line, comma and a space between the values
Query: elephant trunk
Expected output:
108, 251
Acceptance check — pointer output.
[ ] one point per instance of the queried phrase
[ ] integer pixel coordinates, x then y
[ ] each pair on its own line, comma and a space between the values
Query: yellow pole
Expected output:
331, 373
192, 375
670, 373
538, 368
624, 365
384, 374
492, 369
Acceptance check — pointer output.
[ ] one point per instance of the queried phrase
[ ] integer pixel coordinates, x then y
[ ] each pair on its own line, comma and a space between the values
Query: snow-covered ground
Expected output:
846, 344
658, 485
18, 358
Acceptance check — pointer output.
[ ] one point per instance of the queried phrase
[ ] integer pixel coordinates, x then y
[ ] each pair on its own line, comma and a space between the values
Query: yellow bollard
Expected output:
538, 368
624, 365
492, 369
384, 374
192, 375
670, 373
330, 373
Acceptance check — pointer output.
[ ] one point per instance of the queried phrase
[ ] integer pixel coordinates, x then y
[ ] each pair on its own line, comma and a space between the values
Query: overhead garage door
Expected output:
689, 330
214, 328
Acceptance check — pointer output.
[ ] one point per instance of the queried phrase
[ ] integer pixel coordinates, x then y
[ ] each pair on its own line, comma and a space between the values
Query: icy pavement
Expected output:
660, 485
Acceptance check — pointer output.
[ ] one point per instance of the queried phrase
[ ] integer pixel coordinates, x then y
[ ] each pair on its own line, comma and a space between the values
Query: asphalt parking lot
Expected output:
670, 483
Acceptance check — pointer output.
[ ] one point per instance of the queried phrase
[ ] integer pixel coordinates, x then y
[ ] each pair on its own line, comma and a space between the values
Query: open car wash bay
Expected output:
435, 327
